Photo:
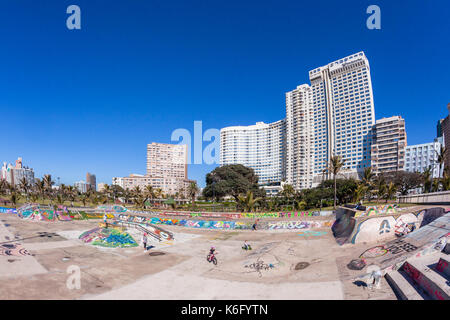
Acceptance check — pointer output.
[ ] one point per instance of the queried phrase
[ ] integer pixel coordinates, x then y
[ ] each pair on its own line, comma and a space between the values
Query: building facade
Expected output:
445, 126
14, 174
167, 160
166, 170
300, 137
91, 181
260, 147
81, 186
419, 157
344, 113
389, 145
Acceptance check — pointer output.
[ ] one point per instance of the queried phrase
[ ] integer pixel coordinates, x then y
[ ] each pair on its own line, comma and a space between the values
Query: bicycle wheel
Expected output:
214, 261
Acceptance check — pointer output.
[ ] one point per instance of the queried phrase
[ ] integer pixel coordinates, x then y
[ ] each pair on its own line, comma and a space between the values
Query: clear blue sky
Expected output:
73, 101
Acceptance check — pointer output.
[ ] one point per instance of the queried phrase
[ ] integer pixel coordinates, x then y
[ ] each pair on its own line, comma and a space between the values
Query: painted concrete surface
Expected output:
15, 257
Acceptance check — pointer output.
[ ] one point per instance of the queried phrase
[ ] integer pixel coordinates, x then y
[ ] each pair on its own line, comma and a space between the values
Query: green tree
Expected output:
193, 191
335, 165
231, 180
248, 202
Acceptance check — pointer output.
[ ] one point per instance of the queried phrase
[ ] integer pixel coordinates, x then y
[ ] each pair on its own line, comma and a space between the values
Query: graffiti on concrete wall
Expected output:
378, 228
108, 237
311, 233
13, 250
418, 277
374, 252
376, 210
8, 210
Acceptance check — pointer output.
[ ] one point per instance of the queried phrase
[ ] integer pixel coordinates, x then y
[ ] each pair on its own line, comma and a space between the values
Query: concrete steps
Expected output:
402, 288
425, 278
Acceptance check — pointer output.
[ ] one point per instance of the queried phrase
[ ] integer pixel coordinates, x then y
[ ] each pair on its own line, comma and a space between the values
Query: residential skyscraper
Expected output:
389, 143
344, 113
91, 181
166, 169
260, 146
167, 160
300, 137
14, 174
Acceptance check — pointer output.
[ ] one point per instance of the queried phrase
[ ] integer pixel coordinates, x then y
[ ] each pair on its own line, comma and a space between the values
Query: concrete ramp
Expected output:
427, 240
353, 227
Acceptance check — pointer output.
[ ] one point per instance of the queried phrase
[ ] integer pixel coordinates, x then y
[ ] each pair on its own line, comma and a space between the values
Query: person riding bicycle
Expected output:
212, 251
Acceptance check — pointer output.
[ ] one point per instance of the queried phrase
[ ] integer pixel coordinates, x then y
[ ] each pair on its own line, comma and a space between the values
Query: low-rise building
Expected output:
419, 157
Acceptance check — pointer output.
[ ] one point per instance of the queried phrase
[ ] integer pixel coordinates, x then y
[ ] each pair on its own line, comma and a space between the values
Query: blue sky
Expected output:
74, 101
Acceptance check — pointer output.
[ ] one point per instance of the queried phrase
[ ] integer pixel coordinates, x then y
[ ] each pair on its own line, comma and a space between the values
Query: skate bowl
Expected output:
352, 226
429, 239
108, 237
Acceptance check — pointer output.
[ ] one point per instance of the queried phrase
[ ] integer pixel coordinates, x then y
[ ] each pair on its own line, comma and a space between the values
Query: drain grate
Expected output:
301, 265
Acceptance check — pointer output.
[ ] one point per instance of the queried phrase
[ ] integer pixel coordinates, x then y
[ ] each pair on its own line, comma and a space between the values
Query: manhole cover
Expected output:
356, 264
301, 265
156, 254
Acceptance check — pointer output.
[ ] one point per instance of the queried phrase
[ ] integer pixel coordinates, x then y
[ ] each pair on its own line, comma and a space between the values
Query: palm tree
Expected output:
3, 186
380, 187
40, 188
24, 186
248, 202
334, 166
446, 181
71, 193
426, 174
441, 158
193, 191
48, 183
149, 192
360, 192
391, 190
15, 196
107, 191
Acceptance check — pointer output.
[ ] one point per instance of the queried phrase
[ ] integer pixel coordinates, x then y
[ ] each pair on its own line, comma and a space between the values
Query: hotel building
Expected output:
344, 114
260, 147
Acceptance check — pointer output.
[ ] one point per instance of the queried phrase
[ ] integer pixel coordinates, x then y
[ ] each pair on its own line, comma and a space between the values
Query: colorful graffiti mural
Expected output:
377, 210
308, 233
37, 212
112, 208
8, 210
108, 237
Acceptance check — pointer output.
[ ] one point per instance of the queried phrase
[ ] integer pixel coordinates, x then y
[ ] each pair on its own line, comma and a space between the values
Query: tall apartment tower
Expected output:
260, 147
91, 181
389, 145
344, 114
299, 137
167, 160
446, 134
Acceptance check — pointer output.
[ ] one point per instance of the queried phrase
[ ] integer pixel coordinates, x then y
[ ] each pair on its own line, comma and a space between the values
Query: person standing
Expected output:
105, 217
144, 241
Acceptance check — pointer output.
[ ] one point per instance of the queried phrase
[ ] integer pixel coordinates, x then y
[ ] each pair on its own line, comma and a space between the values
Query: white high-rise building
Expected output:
299, 137
260, 147
422, 156
344, 113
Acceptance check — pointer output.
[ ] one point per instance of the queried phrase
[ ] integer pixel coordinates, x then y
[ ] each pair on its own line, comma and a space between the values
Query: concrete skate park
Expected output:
379, 253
